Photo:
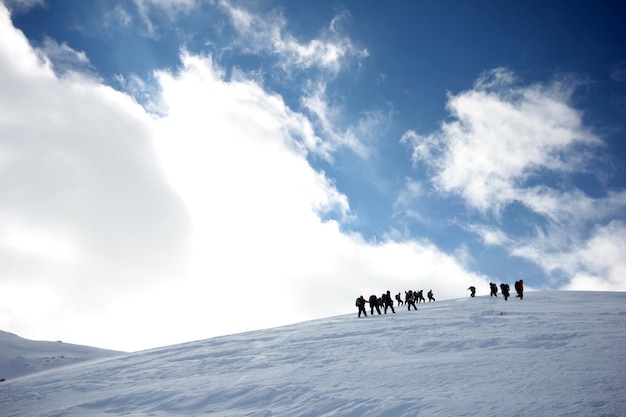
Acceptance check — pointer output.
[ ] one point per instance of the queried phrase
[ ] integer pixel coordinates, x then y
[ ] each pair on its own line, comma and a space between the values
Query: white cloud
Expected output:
145, 91
595, 263
572, 206
502, 136
266, 33
117, 16
328, 119
490, 235
86, 177
512, 144
62, 57
83, 204
255, 201
170, 7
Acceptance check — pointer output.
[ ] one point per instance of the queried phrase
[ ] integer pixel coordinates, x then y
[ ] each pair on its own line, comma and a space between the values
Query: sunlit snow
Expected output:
551, 354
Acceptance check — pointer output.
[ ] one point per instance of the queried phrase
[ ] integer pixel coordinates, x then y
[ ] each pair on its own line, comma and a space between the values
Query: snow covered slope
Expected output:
552, 354
20, 356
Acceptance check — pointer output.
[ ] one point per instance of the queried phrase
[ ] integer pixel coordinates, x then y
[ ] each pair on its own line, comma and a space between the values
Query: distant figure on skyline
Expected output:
388, 302
494, 289
430, 296
410, 300
419, 296
472, 291
360, 303
519, 288
399, 299
505, 291
374, 304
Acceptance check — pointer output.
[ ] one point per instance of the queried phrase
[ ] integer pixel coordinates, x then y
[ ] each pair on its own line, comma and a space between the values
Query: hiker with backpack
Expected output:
360, 303
505, 291
388, 302
494, 289
410, 300
519, 287
472, 291
374, 304
399, 299
430, 296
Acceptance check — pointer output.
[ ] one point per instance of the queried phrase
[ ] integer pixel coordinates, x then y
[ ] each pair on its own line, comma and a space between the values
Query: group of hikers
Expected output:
385, 301
506, 290
412, 297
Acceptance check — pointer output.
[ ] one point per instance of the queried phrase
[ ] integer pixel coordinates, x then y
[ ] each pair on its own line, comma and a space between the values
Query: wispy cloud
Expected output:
63, 58
339, 133
171, 8
117, 16
21, 6
490, 235
331, 51
315, 62
507, 143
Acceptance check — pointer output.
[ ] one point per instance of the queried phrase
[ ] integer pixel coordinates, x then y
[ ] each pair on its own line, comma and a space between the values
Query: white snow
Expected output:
551, 354
20, 356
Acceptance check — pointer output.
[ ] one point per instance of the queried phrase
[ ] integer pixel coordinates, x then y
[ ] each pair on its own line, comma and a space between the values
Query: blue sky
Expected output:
171, 152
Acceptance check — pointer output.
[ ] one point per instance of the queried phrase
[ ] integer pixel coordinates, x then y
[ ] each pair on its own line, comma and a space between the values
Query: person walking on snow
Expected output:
410, 300
472, 291
505, 291
519, 287
399, 299
388, 302
374, 304
494, 289
430, 296
360, 303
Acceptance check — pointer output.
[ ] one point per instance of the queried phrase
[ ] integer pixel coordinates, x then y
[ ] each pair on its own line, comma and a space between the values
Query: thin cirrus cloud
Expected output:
266, 33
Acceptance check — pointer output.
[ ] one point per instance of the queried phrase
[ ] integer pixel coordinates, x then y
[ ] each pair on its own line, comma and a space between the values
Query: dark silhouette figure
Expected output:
472, 291
430, 296
360, 303
399, 299
388, 302
519, 288
505, 291
494, 289
420, 296
410, 300
374, 304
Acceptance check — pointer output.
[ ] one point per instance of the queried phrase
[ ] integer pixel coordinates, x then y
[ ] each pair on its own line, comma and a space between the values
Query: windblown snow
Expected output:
551, 354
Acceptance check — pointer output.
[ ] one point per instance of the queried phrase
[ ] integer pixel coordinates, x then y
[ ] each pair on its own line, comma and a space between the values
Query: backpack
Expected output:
358, 302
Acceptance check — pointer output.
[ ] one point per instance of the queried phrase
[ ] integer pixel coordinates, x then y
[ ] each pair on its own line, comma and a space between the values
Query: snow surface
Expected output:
551, 354
20, 356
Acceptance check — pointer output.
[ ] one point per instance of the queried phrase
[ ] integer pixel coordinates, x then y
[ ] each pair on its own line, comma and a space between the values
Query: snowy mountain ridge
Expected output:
552, 354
